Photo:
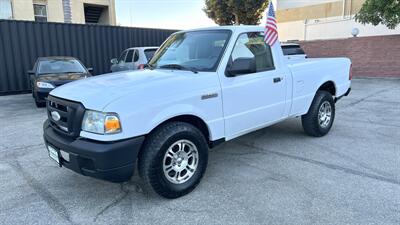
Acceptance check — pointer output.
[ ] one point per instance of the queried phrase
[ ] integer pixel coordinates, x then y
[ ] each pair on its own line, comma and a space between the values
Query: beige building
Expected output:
68, 11
322, 19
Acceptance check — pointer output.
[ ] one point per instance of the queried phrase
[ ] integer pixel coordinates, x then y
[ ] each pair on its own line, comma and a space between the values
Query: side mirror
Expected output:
114, 61
241, 66
90, 69
31, 72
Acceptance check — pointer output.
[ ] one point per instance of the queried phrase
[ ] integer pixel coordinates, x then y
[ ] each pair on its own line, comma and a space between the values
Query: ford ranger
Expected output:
201, 88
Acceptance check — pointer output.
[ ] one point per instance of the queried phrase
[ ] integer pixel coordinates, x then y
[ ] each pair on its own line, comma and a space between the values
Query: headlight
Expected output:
44, 85
101, 123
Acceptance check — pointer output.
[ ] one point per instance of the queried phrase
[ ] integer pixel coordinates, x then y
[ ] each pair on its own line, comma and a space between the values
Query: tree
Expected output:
386, 12
228, 12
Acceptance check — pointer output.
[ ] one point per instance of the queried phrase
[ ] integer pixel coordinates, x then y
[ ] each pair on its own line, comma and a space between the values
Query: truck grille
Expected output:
65, 116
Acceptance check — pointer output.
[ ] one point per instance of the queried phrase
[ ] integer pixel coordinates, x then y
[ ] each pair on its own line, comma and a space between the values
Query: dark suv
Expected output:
50, 72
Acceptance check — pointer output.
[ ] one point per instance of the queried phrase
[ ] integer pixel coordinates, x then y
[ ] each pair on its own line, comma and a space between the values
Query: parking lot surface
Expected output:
276, 175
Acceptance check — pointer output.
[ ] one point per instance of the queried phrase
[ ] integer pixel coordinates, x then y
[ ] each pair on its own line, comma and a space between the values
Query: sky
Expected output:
167, 14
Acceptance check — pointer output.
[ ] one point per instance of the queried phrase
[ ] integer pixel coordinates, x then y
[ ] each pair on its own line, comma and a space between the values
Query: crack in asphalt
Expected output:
9, 155
366, 97
5, 148
126, 191
352, 160
323, 164
276, 177
41, 190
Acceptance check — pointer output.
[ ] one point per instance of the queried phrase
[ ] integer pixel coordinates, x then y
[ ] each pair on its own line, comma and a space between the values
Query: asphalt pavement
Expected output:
276, 175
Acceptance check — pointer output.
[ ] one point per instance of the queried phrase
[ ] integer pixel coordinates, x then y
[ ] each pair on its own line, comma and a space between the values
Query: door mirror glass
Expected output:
31, 72
242, 66
114, 61
90, 69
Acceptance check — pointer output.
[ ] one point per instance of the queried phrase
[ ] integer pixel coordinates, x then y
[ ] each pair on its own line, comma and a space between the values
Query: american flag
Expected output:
271, 30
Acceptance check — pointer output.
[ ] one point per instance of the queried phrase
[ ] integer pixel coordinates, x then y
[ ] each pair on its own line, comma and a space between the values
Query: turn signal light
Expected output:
112, 124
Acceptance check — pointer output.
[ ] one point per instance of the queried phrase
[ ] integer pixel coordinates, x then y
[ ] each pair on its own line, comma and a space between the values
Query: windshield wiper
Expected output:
178, 67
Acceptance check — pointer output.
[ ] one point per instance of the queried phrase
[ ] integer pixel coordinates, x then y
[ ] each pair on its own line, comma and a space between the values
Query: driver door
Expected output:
252, 100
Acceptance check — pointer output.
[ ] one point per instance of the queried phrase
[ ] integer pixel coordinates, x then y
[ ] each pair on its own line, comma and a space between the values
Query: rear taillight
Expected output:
351, 72
141, 67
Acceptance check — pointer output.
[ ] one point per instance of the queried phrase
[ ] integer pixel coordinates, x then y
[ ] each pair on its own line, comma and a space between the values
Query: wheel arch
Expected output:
194, 120
328, 86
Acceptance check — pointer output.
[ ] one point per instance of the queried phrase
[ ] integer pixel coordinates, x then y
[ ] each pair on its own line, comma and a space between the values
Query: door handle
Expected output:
278, 79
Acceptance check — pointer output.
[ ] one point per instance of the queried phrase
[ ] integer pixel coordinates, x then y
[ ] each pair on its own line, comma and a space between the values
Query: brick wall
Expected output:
377, 56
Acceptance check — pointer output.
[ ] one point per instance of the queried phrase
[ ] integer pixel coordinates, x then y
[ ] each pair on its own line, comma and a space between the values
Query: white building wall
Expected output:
331, 28
288, 4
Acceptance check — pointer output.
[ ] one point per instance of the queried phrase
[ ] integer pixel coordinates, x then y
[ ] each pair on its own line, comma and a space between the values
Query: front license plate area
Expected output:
54, 154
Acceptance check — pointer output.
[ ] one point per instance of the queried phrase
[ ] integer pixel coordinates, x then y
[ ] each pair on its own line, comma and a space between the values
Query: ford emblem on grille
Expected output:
55, 115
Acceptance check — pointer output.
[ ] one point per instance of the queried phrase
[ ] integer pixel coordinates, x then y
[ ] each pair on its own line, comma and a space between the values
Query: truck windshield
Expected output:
193, 50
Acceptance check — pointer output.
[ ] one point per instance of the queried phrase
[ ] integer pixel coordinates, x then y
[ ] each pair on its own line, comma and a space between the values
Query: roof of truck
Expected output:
232, 28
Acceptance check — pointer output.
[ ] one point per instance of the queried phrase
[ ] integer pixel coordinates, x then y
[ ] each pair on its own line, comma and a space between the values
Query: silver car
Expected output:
133, 58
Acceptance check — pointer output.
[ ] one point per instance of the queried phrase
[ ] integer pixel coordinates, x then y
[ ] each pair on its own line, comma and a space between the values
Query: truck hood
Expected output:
97, 92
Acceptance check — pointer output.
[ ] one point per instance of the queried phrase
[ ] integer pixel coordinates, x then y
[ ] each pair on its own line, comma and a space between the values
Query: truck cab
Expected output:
201, 88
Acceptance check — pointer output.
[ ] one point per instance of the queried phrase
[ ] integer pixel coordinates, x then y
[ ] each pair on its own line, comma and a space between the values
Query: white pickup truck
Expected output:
201, 88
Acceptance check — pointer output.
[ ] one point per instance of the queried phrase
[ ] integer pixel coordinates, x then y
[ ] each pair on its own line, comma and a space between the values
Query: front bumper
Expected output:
42, 94
112, 161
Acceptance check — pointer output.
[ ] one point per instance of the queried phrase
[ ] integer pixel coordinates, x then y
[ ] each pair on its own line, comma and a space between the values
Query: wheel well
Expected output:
193, 120
329, 87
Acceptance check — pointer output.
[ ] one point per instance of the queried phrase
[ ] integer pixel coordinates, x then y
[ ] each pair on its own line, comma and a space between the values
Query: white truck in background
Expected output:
201, 88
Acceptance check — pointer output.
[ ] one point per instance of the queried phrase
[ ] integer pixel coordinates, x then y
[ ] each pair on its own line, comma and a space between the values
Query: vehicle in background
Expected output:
293, 51
51, 72
133, 59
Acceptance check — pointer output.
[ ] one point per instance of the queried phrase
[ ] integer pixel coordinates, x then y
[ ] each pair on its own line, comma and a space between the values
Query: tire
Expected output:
314, 123
156, 158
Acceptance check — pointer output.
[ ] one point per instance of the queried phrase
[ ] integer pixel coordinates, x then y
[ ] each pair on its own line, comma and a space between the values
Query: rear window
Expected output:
149, 53
293, 50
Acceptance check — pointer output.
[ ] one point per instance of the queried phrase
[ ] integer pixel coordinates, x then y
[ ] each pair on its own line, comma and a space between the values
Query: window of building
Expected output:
40, 12
6, 9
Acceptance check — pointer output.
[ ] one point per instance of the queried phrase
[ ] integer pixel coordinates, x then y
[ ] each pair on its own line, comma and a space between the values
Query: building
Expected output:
68, 11
322, 19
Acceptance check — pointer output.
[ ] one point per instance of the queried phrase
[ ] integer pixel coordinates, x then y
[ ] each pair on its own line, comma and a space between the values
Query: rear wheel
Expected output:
173, 159
319, 119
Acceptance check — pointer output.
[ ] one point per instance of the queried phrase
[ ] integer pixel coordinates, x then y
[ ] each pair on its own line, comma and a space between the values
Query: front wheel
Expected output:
319, 119
173, 159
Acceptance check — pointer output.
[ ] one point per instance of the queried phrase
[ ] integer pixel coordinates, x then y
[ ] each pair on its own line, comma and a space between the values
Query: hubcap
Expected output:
324, 114
180, 161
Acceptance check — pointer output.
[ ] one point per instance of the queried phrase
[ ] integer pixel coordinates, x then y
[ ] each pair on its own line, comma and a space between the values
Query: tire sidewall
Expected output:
325, 97
202, 149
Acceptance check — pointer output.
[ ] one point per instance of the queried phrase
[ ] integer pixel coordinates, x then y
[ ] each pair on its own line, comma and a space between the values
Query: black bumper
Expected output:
112, 161
42, 94
345, 94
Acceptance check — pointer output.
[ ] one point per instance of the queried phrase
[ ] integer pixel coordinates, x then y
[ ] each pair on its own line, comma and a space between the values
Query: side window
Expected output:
129, 56
136, 58
252, 46
122, 57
